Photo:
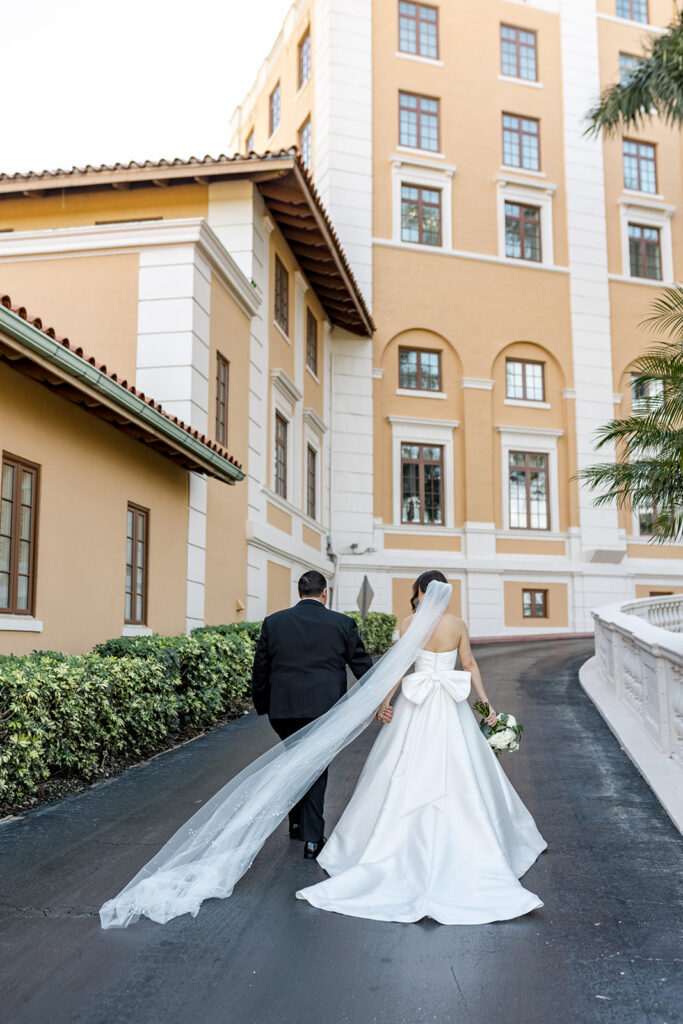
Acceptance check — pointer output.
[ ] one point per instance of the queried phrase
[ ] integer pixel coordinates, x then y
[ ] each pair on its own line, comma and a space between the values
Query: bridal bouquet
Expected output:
505, 734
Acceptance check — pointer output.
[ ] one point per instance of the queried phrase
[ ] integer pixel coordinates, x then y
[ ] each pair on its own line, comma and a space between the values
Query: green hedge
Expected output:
252, 629
379, 629
68, 715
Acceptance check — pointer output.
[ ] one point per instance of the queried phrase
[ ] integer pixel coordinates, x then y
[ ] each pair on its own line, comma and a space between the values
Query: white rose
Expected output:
511, 720
501, 740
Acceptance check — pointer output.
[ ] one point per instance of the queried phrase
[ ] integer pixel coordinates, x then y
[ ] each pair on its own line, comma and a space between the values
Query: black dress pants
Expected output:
308, 813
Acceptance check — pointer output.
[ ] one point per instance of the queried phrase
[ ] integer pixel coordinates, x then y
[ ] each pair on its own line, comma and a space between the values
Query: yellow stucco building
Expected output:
508, 260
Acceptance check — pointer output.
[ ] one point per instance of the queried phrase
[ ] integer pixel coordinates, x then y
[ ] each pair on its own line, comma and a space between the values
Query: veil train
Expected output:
208, 855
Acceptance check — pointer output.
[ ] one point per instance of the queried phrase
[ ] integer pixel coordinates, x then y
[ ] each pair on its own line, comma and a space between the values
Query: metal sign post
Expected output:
364, 600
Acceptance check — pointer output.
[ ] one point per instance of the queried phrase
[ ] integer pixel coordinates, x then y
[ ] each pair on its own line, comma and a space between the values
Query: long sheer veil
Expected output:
211, 851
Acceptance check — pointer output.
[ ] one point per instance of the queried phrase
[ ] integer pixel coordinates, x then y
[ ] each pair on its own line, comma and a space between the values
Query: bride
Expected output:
434, 827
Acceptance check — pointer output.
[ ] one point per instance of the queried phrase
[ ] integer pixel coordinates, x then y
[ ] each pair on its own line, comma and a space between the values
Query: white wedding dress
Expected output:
434, 827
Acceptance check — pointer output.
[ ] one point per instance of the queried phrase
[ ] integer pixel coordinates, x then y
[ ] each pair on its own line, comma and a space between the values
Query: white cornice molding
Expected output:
533, 184
535, 431
315, 422
408, 159
131, 236
642, 26
415, 421
286, 386
477, 383
640, 202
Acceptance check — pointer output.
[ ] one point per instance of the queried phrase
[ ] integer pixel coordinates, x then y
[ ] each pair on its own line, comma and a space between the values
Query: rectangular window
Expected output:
422, 483
529, 508
250, 142
137, 530
634, 10
222, 376
311, 342
418, 29
420, 215
627, 65
535, 604
311, 481
644, 252
418, 122
305, 142
280, 455
281, 303
274, 110
518, 52
645, 395
305, 58
523, 232
639, 166
18, 514
419, 370
521, 142
524, 380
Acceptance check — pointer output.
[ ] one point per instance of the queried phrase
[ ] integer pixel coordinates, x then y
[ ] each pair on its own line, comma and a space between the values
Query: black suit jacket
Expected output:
301, 658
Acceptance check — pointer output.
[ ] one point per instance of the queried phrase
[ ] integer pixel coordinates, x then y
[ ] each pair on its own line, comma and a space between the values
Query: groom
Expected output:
299, 673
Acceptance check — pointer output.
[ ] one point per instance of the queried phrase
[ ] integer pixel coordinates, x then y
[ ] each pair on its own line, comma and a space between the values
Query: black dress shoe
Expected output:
295, 832
311, 850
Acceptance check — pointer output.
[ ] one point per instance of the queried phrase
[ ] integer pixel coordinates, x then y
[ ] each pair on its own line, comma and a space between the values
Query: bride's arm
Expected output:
385, 710
470, 665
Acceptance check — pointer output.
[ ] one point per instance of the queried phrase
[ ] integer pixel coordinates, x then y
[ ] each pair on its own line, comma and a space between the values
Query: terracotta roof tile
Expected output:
37, 322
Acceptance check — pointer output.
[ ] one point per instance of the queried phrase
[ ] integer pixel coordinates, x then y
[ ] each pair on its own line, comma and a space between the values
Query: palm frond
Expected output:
656, 83
667, 315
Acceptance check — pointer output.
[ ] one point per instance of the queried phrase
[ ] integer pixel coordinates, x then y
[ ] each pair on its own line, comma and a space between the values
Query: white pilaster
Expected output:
589, 287
342, 58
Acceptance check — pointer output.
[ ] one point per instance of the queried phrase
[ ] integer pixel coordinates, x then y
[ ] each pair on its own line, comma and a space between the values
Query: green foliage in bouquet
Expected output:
506, 733
379, 629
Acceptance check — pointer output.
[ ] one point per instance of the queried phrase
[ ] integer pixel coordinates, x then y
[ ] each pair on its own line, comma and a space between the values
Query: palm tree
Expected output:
647, 473
655, 84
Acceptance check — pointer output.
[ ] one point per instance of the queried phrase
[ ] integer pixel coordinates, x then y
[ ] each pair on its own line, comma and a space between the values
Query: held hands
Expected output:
384, 713
491, 718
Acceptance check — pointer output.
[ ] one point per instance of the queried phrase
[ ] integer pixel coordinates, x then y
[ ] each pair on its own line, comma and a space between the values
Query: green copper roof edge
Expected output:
62, 357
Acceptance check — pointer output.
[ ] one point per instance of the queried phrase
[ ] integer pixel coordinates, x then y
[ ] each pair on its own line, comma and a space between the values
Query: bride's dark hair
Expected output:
422, 582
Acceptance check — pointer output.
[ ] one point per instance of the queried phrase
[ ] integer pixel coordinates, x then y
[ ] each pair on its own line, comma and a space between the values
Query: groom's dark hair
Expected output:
312, 584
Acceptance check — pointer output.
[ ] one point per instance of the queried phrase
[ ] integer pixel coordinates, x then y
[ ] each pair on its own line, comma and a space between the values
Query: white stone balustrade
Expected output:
636, 682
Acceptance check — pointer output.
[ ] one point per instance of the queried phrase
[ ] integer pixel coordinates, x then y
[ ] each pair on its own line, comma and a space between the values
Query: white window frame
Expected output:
528, 193
427, 175
648, 214
284, 396
314, 428
536, 440
414, 430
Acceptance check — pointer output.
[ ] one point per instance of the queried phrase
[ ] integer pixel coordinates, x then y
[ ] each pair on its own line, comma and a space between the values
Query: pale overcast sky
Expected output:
96, 82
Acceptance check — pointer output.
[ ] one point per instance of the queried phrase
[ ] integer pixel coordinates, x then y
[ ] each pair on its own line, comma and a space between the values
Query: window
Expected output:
222, 375
647, 517
627, 65
311, 480
523, 232
18, 513
518, 52
524, 380
644, 252
305, 58
420, 215
529, 508
250, 142
305, 142
418, 122
419, 369
639, 166
634, 10
421, 483
281, 305
280, 455
418, 30
535, 604
274, 109
521, 142
136, 565
311, 342
645, 394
